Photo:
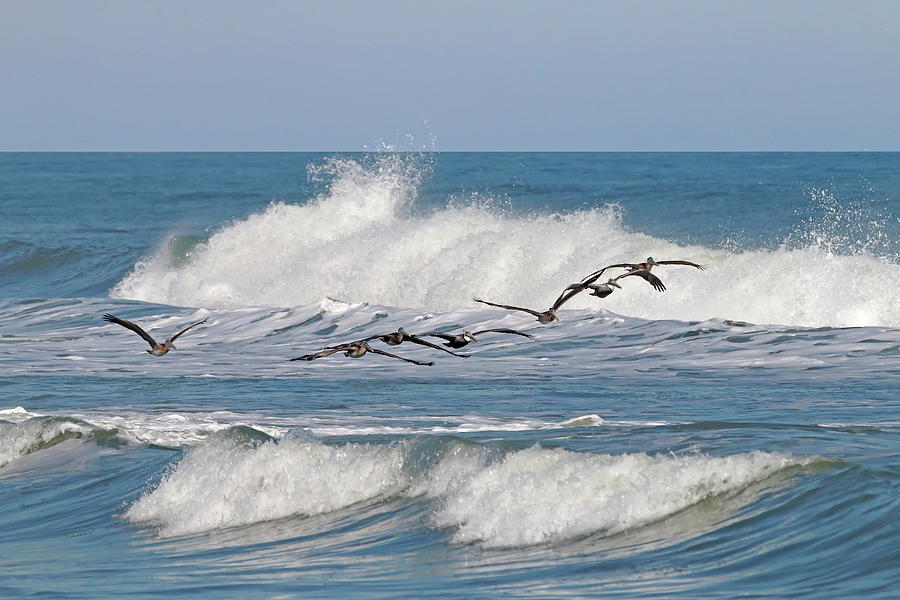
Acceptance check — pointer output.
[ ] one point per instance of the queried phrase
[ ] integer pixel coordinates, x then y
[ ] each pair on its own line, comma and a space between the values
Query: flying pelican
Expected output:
356, 350
602, 290
646, 266
458, 341
543, 318
156, 349
400, 336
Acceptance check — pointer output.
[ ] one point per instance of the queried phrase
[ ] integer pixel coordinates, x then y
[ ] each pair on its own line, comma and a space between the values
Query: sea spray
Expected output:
361, 241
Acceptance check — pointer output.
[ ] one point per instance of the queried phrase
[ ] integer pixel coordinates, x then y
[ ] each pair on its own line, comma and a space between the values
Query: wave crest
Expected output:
541, 495
227, 484
361, 241
487, 496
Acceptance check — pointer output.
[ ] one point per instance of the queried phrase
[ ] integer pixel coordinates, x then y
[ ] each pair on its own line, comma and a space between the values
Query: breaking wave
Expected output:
364, 241
36, 433
495, 499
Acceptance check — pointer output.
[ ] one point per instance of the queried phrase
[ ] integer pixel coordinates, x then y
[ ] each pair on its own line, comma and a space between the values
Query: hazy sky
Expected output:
455, 75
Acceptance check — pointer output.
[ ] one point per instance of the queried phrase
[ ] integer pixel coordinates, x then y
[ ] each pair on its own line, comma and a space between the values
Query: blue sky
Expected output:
142, 75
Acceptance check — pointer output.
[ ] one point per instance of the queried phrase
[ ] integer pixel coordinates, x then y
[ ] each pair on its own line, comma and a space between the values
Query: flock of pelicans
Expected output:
359, 348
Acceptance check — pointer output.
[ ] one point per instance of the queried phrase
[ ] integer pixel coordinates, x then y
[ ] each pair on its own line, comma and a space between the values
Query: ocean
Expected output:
736, 435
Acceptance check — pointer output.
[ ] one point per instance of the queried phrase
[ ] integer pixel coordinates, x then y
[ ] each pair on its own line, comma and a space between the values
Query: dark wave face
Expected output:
734, 435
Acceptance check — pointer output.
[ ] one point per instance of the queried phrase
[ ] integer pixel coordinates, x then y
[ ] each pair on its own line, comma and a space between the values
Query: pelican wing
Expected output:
596, 274
504, 330
508, 307
346, 345
131, 326
647, 276
415, 362
417, 340
569, 293
444, 336
186, 329
681, 262
323, 353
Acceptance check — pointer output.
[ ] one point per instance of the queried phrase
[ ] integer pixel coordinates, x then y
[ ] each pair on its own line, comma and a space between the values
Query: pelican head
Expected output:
650, 261
614, 283
468, 334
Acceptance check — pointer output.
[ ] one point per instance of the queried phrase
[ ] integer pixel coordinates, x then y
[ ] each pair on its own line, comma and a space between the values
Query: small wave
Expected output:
18, 439
539, 495
223, 484
520, 498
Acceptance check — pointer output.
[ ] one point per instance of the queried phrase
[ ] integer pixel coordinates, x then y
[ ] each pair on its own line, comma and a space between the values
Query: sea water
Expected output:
737, 434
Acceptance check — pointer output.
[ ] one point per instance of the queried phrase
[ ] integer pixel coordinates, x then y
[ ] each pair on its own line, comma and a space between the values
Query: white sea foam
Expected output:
192, 428
362, 241
17, 414
527, 497
18, 439
223, 485
543, 495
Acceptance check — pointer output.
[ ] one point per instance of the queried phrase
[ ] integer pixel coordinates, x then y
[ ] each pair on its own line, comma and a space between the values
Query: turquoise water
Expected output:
737, 434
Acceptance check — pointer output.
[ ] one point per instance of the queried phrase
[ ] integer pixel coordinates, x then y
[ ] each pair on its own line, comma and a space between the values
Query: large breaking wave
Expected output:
363, 240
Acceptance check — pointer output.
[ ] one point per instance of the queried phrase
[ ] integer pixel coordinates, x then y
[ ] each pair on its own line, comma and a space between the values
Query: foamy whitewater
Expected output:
363, 241
734, 435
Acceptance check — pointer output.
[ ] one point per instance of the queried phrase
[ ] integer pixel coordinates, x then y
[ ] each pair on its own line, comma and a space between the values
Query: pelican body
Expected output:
602, 290
547, 316
466, 337
357, 349
156, 349
400, 336
646, 266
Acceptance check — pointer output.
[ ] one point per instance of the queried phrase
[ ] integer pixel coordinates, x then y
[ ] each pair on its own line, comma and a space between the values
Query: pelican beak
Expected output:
615, 284
470, 336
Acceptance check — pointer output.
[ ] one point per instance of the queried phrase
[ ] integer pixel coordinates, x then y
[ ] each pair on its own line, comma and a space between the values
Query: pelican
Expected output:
462, 339
543, 318
357, 349
156, 349
646, 266
400, 336
602, 290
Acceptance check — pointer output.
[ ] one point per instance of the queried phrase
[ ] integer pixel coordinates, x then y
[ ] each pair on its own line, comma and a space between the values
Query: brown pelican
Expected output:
602, 290
400, 336
356, 350
646, 266
458, 341
543, 318
156, 349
